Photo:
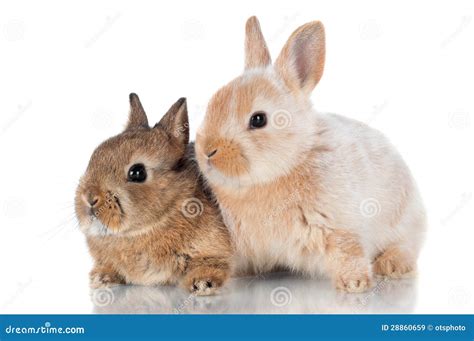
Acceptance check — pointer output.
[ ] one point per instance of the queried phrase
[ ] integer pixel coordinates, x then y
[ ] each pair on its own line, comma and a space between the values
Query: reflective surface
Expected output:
274, 294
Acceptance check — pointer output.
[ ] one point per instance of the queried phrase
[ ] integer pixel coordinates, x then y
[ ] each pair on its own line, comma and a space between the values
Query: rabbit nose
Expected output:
211, 154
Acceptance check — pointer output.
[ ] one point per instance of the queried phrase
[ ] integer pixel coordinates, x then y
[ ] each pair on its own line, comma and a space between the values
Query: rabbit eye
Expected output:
258, 120
137, 173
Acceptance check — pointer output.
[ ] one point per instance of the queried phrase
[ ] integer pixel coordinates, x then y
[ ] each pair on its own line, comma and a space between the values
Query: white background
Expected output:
66, 69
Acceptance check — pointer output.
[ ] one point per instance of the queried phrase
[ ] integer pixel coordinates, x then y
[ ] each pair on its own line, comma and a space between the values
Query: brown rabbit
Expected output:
146, 214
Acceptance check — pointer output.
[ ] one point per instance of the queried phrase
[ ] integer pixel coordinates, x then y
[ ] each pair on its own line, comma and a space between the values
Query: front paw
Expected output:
353, 282
205, 281
204, 287
104, 280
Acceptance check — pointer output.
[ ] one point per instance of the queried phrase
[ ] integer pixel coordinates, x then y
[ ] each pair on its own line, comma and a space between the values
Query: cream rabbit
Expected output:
315, 193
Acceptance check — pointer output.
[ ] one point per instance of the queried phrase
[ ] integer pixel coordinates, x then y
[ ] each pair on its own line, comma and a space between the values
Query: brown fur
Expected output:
149, 237
256, 50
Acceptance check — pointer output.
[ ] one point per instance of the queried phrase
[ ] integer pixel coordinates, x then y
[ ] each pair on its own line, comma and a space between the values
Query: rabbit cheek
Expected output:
109, 212
228, 158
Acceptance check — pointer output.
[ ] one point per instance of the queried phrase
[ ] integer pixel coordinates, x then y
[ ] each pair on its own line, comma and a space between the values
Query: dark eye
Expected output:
137, 173
258, 120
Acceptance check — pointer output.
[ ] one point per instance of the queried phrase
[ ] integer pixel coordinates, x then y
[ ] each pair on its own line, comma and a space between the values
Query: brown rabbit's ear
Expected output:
176, 123
301, 61
256, 51
137, 117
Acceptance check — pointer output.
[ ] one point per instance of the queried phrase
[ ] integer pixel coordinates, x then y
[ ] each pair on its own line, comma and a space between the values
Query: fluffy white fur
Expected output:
310, 185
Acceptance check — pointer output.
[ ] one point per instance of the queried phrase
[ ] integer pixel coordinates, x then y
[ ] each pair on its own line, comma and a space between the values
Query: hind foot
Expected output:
394, 263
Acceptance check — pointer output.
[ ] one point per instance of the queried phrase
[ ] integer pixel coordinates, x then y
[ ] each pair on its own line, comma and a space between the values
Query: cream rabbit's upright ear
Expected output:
301, 61
176, 123
137, 116
256, 51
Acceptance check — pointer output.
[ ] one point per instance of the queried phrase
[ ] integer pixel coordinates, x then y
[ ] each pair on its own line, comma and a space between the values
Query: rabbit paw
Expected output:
353, 283
204, 287
104, 280
205, 281
394, 264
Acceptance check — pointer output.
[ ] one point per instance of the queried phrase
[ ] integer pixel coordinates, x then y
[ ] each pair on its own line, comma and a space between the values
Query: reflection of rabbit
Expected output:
274, 294
311, 192
145, 212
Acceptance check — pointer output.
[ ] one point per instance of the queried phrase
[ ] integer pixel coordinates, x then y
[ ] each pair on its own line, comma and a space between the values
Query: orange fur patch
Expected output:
393, 263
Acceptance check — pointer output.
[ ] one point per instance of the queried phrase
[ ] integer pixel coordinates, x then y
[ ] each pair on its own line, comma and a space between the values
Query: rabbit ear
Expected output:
137, 117
176, 123
256, 51
301, 61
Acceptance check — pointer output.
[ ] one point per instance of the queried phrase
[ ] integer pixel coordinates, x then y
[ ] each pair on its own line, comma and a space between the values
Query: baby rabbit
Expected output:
314, 193
146, 215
